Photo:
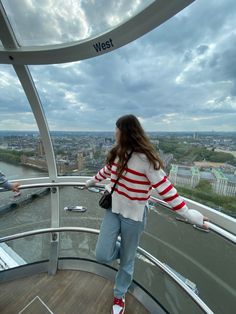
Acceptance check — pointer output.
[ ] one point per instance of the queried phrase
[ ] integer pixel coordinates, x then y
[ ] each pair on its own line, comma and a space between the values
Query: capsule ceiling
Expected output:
56, 31
57, 21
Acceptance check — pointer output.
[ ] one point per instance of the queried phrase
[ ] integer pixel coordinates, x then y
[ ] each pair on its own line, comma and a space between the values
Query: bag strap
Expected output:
118, 178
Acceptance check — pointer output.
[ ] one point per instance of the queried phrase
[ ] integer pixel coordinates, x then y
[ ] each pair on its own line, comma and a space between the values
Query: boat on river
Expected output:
75, 208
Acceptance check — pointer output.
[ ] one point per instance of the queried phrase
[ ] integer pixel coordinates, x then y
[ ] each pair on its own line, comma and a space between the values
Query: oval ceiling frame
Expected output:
148, 19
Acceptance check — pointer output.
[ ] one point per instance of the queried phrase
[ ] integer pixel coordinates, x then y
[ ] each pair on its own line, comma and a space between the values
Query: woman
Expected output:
142, 172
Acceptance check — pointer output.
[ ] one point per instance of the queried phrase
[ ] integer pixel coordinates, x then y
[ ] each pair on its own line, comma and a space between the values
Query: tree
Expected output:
204, 186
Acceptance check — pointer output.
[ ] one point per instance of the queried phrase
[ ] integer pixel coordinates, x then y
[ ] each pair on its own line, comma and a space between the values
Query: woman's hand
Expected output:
15, 186
196, 218
89, 183
205, 222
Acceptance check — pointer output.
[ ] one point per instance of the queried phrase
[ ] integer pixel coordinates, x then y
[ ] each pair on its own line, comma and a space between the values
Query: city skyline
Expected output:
178, 78
112, 133
205, 161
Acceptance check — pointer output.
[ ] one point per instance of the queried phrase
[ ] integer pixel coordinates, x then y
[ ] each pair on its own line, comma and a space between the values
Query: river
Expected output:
15, 172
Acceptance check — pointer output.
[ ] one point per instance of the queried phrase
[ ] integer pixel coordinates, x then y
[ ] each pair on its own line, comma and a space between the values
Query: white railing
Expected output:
220, 223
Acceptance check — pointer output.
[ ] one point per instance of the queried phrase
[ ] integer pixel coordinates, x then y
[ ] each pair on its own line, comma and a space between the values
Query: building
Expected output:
184, 176
225, 184
39, 163
222, 183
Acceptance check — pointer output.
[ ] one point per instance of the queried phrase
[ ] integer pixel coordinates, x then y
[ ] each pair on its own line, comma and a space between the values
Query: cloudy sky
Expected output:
179, 77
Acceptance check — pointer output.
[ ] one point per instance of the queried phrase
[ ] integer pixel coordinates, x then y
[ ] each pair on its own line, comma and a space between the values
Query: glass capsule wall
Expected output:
178, 79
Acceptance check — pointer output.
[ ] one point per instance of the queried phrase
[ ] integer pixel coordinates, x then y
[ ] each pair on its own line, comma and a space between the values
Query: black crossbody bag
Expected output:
105, 200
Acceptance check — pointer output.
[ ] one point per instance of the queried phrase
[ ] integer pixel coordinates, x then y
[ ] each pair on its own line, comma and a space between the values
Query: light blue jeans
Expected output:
109, 249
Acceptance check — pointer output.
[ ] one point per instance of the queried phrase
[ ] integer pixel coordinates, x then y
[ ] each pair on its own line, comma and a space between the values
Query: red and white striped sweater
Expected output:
134, 188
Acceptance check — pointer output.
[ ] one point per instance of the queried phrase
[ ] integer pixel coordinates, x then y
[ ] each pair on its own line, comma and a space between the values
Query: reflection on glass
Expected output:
24, 251
78, 245
163, 288
190, 254
57, 21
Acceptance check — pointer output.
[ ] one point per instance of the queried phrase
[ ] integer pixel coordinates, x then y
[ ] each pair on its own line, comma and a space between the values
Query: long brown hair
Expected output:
132, 139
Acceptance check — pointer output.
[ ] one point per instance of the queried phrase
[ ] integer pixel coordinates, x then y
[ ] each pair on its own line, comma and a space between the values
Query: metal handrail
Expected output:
48, 185
222, 232
147, 255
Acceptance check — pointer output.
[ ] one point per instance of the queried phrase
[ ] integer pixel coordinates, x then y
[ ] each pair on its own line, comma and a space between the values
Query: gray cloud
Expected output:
180, 76
63, 21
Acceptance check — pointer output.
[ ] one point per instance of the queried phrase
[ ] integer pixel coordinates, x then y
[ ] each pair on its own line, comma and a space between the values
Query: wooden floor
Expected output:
72, 292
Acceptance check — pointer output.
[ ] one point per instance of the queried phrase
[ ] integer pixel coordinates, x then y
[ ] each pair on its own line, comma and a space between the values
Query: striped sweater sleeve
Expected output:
169, 194
166, 190
102, 174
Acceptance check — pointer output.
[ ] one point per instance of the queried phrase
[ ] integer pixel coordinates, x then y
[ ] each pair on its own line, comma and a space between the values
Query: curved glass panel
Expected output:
81, 139
57, 21
20, 142
164, 289
29, 211
77, 245
15, 207
185, 250
189, 253
21, 151
16, 114
81, 113
24, 251
169, 294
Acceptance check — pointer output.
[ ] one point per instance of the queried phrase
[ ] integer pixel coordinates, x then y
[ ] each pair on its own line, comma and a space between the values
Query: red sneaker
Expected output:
118, 306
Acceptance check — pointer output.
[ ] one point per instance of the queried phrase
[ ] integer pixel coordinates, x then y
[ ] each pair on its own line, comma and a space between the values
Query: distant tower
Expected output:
40, 149
80, 160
